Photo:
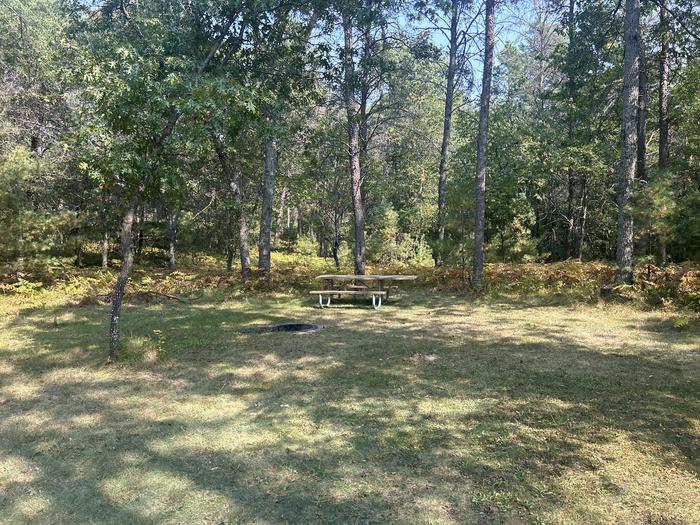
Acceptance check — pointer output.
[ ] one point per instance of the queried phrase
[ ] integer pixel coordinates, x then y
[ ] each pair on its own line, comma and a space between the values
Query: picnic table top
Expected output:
375, 277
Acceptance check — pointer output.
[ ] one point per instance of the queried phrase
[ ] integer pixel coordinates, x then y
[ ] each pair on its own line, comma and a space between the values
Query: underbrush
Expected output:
57, 281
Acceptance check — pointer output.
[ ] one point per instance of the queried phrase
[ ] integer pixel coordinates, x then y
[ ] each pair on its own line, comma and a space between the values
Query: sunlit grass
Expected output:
529, 412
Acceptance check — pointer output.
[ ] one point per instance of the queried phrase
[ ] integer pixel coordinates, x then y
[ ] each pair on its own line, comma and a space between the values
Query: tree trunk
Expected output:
571, 91
482, 139
237, 192
139, 243
663, 114
104, 244
663, 88
446, 130
173, 227
660, 251
120, 285
336, 239
270, 148
79, 254
643, 101
229, 258
354, 147
582, 220
280, 216
570, 196
628, 161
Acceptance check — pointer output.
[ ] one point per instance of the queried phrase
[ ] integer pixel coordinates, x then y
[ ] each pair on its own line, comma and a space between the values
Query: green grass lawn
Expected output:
528, 413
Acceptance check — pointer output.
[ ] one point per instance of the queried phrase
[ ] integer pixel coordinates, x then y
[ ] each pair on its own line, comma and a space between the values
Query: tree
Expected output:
353, 130
628, 152
482, 140
456, 41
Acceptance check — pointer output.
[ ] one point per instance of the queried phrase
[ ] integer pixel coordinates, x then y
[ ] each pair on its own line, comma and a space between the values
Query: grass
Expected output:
531, 412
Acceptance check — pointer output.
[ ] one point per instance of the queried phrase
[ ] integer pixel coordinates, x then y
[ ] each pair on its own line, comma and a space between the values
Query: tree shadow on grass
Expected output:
344, 425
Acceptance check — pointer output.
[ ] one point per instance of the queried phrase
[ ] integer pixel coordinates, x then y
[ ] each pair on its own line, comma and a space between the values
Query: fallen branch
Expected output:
166, 295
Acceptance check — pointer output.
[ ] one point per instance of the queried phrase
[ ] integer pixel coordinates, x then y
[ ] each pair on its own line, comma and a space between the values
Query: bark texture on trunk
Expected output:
122, 279
628, 160
234, 181
353, 129
446, 131
270, 148
482, 139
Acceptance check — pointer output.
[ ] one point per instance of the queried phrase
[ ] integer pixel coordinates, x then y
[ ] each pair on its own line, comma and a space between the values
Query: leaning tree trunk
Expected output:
237, 192
118, 293
663, 113
482, 139
446, 130
628, 157
270, 148
354, 148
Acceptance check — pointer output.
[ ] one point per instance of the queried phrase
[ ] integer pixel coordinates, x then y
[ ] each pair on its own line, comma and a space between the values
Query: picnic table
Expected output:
375, 286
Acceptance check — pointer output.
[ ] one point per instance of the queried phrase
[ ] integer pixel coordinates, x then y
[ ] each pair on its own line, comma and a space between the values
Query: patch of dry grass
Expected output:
525, 413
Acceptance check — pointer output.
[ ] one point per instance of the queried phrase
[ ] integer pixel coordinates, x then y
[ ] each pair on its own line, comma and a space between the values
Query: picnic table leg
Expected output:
376, 304
320, 300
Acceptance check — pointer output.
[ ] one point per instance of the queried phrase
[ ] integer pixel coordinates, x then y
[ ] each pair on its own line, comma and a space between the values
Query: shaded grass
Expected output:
530, 413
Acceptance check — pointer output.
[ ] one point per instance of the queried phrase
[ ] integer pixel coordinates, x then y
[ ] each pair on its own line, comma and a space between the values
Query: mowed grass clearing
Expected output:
430, 410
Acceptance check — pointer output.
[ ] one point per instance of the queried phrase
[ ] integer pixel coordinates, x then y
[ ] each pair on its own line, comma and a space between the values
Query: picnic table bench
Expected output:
375, 286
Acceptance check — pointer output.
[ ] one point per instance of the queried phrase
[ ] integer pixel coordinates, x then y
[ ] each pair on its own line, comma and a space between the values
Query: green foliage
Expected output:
305, 245
29, 228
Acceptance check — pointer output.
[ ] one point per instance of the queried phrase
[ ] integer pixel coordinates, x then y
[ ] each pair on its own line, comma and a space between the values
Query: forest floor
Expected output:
438, 408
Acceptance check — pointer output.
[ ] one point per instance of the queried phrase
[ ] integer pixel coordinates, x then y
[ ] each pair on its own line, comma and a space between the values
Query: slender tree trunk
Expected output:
280, 216
104, 245
354, 147
628, 161
482, 139
230, 253
237, 192
120, 285
582, 220
571, 91
446, 130
78, 254
270, 148
663, 88
660, 251
139, 242
336, 239
570, 223
663, 114
173, 227
643, 101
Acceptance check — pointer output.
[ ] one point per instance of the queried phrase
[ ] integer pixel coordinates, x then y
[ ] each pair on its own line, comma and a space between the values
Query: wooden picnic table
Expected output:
358, 285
